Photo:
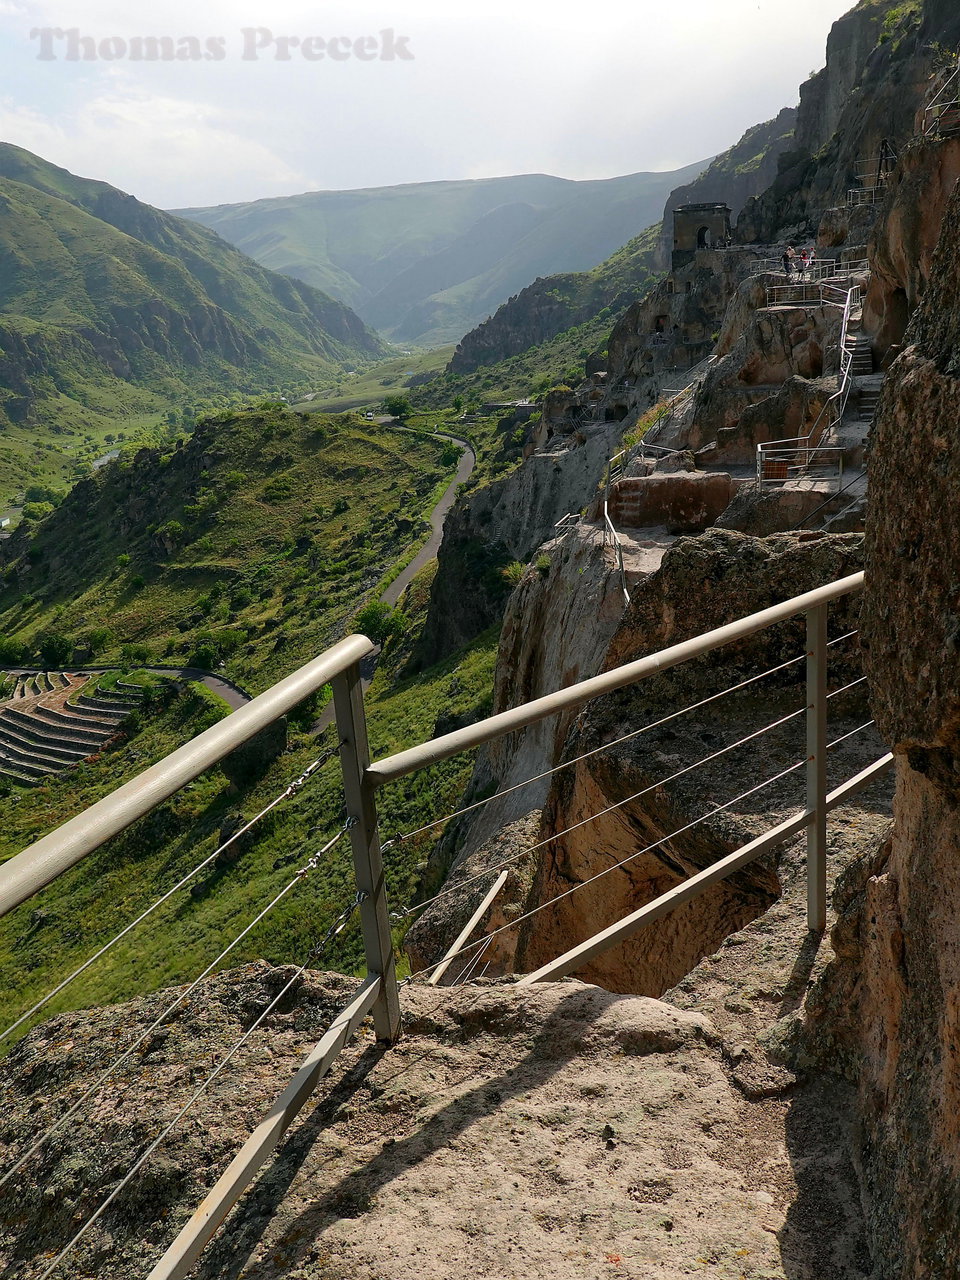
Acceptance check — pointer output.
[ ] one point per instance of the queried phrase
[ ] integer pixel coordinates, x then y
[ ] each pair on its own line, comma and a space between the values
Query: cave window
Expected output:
689, 287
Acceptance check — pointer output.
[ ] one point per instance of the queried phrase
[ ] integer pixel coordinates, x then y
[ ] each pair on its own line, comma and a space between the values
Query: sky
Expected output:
264, 100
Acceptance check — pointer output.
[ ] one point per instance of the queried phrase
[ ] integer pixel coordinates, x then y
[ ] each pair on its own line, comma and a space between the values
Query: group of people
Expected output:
797, 263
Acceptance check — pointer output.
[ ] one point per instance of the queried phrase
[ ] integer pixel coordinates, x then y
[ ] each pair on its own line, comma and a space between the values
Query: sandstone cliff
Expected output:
887, 1012
880, 58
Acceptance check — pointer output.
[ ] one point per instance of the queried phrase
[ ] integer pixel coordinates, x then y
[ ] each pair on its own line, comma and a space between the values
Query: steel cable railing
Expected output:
587, 755
310, 866
617, 866
291, 790
338, 925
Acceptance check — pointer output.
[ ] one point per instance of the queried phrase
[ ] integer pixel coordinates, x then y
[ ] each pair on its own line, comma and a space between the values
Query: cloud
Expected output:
507, 88
164, 150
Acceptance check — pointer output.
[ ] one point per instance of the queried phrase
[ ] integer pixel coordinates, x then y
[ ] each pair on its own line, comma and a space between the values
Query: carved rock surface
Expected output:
888, 1010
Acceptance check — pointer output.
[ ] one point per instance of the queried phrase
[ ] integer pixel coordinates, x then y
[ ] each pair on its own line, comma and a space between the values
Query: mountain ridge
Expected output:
425, 262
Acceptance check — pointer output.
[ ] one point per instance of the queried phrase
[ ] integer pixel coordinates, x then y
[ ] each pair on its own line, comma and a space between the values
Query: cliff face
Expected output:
880, 58
888, 1010
507, 521
905, 240
728, 576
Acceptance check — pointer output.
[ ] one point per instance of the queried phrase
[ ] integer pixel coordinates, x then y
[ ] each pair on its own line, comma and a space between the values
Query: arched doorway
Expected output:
703, 238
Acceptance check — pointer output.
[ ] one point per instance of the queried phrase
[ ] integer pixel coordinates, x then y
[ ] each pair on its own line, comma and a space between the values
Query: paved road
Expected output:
231, 693
430, 548
440, 512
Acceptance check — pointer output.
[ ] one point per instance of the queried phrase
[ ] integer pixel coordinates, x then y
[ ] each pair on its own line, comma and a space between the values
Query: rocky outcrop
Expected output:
558, 623
684, 502
503, 522
887, 1011
905, 240
728, 576
562, 1131
880, 58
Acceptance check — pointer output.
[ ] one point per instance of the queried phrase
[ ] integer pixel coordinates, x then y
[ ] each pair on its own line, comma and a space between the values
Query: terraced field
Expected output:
52, 720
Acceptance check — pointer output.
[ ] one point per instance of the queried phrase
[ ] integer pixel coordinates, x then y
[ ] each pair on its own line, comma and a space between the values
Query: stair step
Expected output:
20, 736
24, 765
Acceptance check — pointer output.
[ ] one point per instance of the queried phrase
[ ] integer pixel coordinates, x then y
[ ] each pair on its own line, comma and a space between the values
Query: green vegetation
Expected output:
560, 360
117, 320
901, 18
424, 263
170, 553
52, 934
368, 387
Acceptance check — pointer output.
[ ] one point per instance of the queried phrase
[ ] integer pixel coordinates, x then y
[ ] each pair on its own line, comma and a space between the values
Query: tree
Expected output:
458, 404
378, 621
398, 406
54, 648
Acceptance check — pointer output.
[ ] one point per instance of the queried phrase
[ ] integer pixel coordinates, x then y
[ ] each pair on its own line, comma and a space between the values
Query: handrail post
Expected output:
367, 857
817, 768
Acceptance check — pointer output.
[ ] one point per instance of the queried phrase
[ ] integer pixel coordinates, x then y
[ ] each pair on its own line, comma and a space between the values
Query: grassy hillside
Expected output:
115, 318
47, 938
426, 262
251, 543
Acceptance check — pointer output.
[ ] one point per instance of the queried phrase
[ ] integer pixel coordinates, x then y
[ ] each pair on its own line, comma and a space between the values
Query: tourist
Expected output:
787, 262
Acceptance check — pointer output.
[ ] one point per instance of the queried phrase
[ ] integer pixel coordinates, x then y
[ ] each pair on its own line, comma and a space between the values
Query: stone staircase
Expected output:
51, 720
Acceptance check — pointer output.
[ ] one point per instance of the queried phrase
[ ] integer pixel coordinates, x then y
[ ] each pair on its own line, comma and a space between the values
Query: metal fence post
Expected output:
817, 768
367, 858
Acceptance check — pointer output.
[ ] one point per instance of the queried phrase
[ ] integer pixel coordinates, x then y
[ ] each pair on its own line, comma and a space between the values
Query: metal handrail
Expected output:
835, 406
390, 768
938, 106
49, 857
619, 548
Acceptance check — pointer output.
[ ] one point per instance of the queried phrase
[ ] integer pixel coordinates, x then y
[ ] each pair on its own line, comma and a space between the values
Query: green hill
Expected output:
250, 543
424, 263
114, 314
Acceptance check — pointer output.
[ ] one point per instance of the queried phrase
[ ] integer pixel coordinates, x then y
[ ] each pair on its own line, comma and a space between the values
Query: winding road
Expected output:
426, 553
233, 694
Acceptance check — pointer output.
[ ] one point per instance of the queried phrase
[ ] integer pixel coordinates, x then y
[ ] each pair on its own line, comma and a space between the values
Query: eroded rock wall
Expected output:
906, 238
506, 521
703, 582
888, 1010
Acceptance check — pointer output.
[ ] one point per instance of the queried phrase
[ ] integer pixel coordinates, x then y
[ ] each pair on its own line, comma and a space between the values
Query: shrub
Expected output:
513, 572
378, 621
54, 648
13, 653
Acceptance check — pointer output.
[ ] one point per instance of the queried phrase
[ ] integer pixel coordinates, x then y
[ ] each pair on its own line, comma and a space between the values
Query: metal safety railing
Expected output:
378, 995
814, 606
941, 116
814, 270
39, 865
782, 460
